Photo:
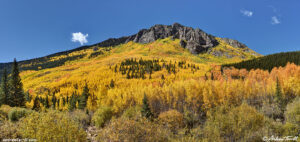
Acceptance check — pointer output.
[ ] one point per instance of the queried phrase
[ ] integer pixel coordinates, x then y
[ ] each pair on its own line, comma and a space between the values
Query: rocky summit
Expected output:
195, 40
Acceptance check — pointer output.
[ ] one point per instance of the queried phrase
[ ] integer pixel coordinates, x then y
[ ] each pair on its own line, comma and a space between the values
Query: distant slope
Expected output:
268, 62
95, 63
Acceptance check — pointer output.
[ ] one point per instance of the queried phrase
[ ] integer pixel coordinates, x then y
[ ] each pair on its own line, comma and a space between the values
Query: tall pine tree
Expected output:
112, 84
4, 89
53, 101
27, 97
16, 94
36, 104
46, 102
83, 98
278, 94
146, 111
72, 103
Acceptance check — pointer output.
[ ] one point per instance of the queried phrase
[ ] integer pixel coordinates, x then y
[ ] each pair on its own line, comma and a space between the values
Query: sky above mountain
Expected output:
35, 28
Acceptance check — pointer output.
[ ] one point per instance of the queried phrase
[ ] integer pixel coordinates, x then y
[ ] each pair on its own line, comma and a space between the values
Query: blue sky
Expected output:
35, 28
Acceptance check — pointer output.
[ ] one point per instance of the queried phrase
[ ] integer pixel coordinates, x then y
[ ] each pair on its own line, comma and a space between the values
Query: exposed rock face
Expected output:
197, 41
182, 43
234, 43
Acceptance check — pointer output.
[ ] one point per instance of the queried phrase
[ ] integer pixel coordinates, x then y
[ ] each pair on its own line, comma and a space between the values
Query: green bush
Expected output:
191, 119
291, 129
277, 128
51, 126
172, 119
292, 113
3, 116
132, 113
271, 109
236, 124
9, 130
81, 117
5, 109
101, 116
128, 130
16, 113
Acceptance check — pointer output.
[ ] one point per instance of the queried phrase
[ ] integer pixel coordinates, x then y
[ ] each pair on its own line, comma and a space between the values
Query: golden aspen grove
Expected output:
157, 91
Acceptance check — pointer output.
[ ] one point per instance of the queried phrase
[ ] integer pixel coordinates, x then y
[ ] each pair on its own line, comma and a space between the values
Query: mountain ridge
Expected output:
195, 40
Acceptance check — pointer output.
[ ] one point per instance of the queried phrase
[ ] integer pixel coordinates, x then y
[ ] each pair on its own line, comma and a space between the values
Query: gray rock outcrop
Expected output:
195, 40
234, 43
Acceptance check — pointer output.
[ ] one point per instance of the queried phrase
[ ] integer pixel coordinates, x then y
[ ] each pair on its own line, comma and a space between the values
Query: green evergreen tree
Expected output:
162, 77
42, 100
132, 74
4, 89
67, 100
36, 104
128, 75
27, 97
212, 76
146, 111
116, 67
46, 104
58, 102
72, 103
205, 77
64, 101
16, 93
53, 101
83, 98
112, 84
278, 94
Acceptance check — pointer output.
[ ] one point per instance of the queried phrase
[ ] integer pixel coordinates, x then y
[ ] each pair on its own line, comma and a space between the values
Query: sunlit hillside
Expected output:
149, 71
160, 89
95, 66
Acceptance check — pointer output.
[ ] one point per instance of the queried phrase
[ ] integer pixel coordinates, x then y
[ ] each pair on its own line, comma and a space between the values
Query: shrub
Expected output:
276, 128
143, 130
291, 129
132, 113
271, 109
191, 119
16, 113
292, 113
9, 130
101, 116
5, 109
172, 119
51, 126
236, 124
80, 117
3, 116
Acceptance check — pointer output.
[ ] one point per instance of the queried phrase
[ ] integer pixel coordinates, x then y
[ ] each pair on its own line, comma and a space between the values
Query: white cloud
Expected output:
247, 13
79, 37
275, 20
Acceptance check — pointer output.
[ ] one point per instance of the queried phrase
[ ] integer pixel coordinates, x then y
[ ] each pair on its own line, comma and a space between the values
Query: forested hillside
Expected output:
159, 91
268, 62
195, 41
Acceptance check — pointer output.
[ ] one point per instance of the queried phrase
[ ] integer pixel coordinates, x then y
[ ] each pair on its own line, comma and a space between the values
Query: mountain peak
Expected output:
177, 25
195, 40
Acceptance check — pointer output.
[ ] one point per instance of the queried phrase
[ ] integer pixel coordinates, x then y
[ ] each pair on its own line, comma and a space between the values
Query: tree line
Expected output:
12, 94
134, 68
12, 88
268, 62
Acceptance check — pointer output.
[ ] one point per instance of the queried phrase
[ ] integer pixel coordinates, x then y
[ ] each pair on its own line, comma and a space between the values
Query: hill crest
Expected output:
195, 41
